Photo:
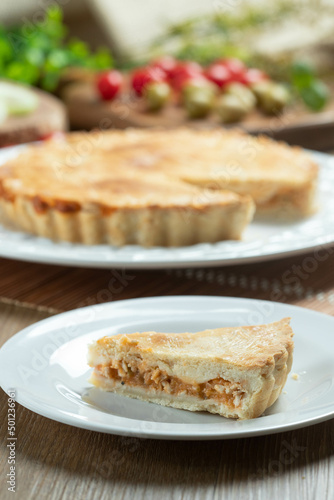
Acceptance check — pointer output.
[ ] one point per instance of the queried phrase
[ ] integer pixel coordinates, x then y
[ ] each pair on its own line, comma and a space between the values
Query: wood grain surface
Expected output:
56, 461
306, 280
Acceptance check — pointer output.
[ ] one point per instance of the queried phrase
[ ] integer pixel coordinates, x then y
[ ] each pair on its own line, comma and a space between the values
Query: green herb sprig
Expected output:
38, 53
314, 93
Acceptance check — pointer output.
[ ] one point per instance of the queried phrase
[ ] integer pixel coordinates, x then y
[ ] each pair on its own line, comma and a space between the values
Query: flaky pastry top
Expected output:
152, 166
244, 346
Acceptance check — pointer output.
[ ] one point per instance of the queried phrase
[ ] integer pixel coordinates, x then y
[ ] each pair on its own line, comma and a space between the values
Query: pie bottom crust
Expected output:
152, 226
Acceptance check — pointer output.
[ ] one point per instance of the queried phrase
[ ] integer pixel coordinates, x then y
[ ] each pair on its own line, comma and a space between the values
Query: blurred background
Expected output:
53, 44
129, 28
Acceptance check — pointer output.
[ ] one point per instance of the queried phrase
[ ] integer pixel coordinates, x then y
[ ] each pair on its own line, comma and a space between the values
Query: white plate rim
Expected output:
156, 432
21, 246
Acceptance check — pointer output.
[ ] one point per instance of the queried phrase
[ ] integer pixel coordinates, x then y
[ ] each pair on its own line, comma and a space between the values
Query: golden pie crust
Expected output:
235, 372
153, 187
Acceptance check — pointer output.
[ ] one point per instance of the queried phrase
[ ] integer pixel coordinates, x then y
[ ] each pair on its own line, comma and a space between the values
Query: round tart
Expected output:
153, 187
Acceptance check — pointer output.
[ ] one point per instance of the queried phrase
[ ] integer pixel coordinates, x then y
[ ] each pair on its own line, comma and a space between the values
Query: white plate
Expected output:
262, 240
46, 365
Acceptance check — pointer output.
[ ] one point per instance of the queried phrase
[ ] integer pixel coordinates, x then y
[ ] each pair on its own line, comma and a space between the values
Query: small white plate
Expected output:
46, 365
263, 240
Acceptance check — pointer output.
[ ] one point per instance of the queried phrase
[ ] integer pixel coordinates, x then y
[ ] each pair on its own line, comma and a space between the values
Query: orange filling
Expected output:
135, 374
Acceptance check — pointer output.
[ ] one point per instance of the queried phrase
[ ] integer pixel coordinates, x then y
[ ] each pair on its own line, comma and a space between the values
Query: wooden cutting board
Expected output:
296, 125
50, 116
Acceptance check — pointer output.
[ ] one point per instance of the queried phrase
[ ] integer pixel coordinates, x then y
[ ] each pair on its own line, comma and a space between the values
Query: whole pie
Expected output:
237, 372
153, 187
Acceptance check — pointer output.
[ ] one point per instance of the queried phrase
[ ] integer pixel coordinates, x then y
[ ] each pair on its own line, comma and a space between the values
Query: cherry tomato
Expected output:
236, 68
226, 71
254, 75
219, 74
183, 72
142, 76
166, 63
109, 84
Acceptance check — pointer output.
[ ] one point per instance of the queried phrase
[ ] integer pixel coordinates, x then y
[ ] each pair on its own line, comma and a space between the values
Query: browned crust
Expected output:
260, 346
150, 226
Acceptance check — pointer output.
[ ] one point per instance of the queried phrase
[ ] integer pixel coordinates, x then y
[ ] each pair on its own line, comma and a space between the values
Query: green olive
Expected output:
271, 97
245, 95
231, 108
198, 99
260, 88
195, 85
157, 94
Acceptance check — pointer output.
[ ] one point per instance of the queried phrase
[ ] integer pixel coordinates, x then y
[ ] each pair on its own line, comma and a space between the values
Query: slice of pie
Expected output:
236, 372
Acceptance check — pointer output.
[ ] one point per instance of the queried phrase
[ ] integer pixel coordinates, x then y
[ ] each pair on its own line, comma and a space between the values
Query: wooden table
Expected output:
56, 461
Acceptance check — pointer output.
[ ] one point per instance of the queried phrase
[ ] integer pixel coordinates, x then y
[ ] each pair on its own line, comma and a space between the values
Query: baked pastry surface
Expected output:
274, 174
153, 187
235, 372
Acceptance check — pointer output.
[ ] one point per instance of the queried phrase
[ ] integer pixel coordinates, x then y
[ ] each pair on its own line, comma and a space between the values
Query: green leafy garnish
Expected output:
38, 53
313, 92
